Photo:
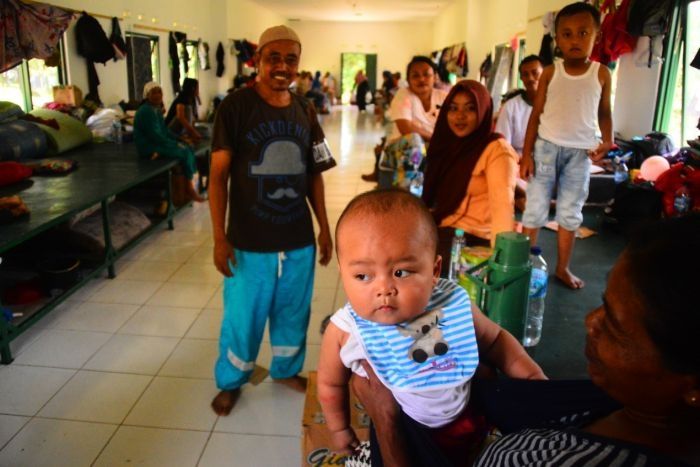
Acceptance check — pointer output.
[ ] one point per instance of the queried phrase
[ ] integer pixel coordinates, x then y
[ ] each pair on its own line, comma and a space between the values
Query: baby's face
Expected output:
388, 266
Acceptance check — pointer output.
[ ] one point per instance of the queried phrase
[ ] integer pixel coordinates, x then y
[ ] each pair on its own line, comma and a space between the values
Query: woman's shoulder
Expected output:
500, 148
439, 95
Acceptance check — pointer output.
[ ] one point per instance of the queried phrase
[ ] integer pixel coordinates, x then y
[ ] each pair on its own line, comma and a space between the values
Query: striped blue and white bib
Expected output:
434, 351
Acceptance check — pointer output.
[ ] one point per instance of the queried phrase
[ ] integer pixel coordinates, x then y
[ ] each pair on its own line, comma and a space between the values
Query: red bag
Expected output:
614, 39
13, 172
670, 181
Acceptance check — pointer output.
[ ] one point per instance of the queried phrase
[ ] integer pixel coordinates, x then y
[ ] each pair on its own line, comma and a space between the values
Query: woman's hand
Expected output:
375, 397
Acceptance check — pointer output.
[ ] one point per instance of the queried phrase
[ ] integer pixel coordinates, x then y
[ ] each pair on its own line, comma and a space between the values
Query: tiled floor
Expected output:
122, 372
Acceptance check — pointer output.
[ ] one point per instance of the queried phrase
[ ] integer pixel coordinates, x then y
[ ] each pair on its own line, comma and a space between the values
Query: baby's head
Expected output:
576, 30
386, 244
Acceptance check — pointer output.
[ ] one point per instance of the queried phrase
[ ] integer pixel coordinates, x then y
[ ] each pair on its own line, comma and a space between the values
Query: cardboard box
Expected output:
315, 443
68, 95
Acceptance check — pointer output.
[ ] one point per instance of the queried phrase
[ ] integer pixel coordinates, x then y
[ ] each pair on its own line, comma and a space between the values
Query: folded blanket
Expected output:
71, 133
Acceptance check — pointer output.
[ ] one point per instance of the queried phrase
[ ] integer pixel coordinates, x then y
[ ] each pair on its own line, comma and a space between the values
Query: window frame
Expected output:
675, 60
194, 59
155, 47
25, 83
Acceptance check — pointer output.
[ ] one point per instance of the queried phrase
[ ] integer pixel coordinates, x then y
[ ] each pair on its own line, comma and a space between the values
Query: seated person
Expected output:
387, 251
413, 110
154, 139
471, 171
183, 112
642, 354
515, 113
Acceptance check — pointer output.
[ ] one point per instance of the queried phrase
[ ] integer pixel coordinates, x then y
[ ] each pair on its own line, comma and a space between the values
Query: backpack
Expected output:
649, 17
652, 144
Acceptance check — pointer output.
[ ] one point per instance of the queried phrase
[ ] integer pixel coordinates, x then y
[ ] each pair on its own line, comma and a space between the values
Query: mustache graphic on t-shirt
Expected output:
282, 192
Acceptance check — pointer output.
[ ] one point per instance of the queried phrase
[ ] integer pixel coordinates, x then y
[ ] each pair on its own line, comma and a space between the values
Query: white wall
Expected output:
481, 25
394, 43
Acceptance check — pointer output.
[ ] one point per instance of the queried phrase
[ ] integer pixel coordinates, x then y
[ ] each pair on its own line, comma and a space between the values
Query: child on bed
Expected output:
419, 333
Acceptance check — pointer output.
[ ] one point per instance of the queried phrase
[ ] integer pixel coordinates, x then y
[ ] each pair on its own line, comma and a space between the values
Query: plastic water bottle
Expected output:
455, 254
538, 291
682, 201
117, 132
621, 171
416, 186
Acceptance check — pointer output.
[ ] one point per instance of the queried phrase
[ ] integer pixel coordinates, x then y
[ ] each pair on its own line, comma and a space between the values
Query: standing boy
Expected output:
561, 140
267, 142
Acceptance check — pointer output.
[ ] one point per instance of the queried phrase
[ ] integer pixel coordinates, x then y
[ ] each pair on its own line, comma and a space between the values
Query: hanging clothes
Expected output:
117, 40
203, 51
29, 31
547, 50
485, 68
94, 46
173, 39
220, 55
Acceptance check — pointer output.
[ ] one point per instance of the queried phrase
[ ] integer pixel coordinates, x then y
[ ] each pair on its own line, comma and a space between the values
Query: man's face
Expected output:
278, 63
530, 73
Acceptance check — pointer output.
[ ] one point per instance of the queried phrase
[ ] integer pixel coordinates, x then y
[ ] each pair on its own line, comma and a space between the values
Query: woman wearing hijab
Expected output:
154, 139
471, 171
183, 111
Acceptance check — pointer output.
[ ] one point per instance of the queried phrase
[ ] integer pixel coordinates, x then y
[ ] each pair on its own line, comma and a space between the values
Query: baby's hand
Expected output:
344, 441
600, 152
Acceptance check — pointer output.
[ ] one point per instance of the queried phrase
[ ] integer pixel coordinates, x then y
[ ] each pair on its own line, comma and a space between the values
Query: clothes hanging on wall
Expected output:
547, 50
117, 40
29, 31
485, 68
220, 55
95, 47
173, 39
203, 51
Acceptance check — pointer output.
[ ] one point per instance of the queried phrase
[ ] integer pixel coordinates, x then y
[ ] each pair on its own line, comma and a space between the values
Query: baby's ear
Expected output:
436, 268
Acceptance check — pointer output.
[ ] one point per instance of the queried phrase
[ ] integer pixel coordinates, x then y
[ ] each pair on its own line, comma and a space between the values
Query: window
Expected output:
142, 62
193, 59
30, 84
678, 105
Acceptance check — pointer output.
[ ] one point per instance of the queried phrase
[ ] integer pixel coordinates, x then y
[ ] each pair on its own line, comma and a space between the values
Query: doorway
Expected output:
350, 64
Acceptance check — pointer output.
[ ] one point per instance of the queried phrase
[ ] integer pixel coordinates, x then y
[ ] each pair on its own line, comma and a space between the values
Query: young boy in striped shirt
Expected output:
419, 333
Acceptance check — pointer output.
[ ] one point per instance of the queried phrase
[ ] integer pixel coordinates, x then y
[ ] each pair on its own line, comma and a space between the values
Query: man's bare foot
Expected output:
224, 401
298, 383
569, 279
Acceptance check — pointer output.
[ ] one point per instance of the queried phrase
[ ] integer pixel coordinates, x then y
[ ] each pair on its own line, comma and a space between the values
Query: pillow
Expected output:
71, 133
20, 139
9, 111
13, 172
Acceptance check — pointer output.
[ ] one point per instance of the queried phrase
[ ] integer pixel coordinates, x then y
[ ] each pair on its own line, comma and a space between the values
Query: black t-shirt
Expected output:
273, 153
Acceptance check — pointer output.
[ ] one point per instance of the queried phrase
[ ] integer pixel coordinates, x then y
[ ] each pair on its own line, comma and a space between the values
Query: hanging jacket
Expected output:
94, 46
203, 51
220, 67
117, 40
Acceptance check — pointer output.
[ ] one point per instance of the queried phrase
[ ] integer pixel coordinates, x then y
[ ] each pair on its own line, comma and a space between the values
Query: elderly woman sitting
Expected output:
154, 139
642, 405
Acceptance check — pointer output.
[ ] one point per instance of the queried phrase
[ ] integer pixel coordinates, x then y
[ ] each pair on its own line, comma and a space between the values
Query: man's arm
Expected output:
527, 164
317, 198
218, 201
384, 412
500, 348
605, 121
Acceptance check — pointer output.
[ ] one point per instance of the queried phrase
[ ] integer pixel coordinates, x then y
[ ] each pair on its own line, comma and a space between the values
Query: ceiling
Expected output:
356, 10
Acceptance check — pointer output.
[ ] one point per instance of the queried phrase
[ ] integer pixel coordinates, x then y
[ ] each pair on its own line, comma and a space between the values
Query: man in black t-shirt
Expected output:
269, 145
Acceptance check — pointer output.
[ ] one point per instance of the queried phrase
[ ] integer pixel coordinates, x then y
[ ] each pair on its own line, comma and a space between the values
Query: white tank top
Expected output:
570, 116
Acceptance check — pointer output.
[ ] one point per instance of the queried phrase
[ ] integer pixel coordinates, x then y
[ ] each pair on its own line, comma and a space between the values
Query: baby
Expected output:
419, 333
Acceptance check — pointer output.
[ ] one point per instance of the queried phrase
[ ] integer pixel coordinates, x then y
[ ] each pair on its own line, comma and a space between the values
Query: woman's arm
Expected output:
407, 127
333, 378
501, 172
181, 116
500, 348
384, 412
